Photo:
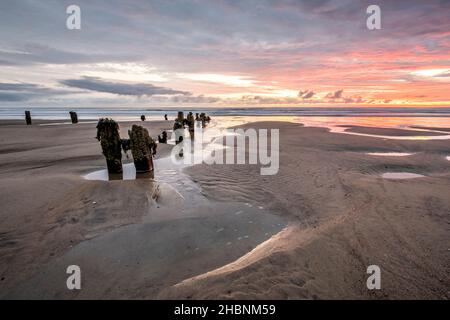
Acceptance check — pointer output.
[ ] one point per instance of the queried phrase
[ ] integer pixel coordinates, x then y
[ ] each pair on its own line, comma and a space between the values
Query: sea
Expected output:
121, 114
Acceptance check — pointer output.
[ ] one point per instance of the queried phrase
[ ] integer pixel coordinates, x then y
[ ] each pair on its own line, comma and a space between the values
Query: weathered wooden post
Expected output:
143, 118
143, 147
163, 137
73, 117
28, 117
108, 135
180, 116
178, 130
203, 119
191, 124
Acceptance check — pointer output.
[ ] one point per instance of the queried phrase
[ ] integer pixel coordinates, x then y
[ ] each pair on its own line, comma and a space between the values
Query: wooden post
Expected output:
191, 124
143, 147
143, 117
108, 135
28, 117
73, 117
180, 116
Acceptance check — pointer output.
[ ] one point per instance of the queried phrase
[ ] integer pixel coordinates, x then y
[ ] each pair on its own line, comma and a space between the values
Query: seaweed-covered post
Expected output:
178, 130
73, 117
108, 135
163, 137
203, 119
180, 116
28, 117
143, 118
143, 147
191, 124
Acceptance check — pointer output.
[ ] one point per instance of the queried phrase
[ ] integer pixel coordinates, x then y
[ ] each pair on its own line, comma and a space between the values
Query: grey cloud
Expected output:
125, 89
18, 86
10, 92
444, 75
12, 97
194, 99
335, 95
180, 36
307, 94
36, 53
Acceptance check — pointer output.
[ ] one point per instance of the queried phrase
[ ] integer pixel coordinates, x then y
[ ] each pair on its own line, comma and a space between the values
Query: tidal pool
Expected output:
401, 175
390, 154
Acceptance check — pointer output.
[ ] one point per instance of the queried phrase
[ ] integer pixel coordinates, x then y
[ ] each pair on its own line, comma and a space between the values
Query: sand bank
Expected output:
137, 239
348, 217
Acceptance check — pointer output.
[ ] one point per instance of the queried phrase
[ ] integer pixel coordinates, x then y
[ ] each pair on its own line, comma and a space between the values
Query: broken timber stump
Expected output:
28, 117
73, 117
108, 135
143, 147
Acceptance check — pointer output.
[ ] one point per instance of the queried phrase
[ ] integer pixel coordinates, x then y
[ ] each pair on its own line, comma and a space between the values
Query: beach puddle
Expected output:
64, 123
185, 234
144, 256
448, 158
342, 124
401, 175
389, 154
129, 173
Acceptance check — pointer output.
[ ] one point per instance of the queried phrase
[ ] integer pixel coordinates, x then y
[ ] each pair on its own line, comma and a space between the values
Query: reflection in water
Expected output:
401, 175
218, 127
338, 124
129, 173
390, 154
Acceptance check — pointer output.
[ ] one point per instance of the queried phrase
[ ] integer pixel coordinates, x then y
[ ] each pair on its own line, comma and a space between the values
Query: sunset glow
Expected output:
226, 53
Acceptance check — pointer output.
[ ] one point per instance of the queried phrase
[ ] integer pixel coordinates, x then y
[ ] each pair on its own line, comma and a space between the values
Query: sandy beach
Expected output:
224, 231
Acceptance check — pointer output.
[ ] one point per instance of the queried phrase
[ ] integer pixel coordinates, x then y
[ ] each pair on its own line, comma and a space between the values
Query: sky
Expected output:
224, 53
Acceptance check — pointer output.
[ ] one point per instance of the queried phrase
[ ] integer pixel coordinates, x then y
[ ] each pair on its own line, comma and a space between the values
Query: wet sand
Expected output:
432, 128
324, 218
391, 131
131, 238
347, 218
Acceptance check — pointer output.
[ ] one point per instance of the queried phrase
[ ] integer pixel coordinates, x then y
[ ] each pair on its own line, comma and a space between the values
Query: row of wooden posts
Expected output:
142, 146
73, 117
